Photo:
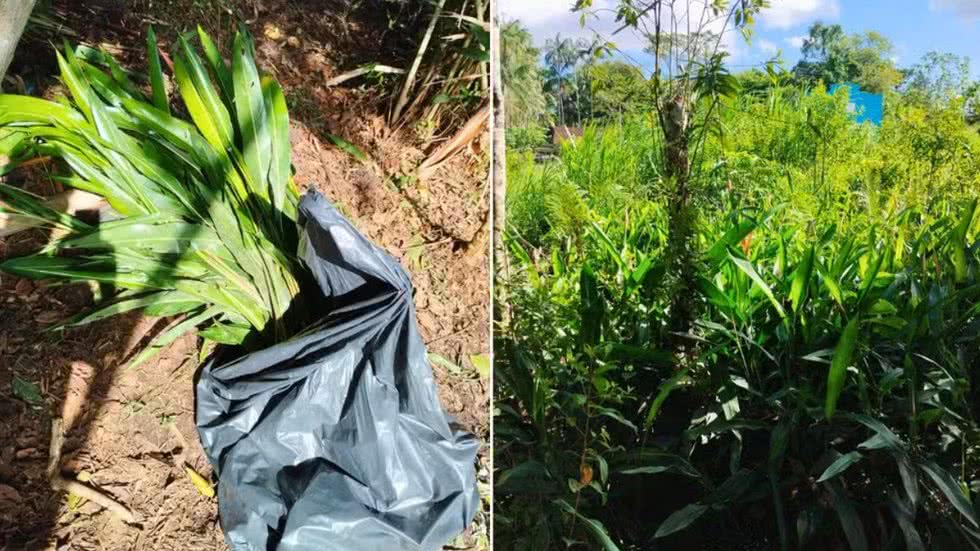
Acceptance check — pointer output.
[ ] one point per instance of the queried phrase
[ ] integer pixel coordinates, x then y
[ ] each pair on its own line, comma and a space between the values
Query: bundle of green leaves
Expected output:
207, 207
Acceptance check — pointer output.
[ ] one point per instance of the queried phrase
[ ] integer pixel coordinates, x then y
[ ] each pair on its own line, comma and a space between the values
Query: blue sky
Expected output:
914, 27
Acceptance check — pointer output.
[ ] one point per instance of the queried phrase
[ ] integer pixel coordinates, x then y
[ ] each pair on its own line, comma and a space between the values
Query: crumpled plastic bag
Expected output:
336, 439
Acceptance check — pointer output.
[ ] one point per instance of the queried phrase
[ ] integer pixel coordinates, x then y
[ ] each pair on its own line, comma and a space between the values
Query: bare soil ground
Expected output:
126, 429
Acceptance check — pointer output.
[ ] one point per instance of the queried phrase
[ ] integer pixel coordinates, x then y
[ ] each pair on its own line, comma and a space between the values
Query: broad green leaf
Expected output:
348, 148
26, 390
832, 287
951, 489
482, 364
681, 519
732, 237
958, 242
913, 542
652, 461
840, 465
592, 308
749, 270
666, 388
30, 206
527, 470
160, 234
226, 333
837, 375
73, 269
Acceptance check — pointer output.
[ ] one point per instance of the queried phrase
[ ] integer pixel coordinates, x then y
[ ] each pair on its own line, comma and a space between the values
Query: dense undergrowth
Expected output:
825, 396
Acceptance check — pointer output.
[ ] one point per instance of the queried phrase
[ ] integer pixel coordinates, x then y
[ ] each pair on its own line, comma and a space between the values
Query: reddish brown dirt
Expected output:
121, 424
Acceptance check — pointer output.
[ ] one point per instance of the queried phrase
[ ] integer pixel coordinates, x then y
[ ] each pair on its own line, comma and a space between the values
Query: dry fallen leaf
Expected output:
202, 485
76, 501
272, 31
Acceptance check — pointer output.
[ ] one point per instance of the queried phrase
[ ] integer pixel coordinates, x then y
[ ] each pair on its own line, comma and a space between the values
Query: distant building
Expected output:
561, 134
863, 106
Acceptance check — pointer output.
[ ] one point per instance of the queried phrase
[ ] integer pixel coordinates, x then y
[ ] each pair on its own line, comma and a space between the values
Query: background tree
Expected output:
618, 88
938, 77
523, 84
590, 52
832, 56
560, 55
689, 79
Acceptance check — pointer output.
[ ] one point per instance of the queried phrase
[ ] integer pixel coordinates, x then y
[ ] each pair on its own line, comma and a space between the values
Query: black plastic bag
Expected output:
336, 439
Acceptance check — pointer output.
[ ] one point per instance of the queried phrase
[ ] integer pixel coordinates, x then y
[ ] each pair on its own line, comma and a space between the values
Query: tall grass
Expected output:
825, 396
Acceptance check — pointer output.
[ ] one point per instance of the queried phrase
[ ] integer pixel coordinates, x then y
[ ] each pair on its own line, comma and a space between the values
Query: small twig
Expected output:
428, 244
60, 483
453, 334
374, 68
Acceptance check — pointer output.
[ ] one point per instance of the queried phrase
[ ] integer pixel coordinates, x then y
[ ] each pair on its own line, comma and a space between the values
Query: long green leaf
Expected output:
840, 465
155, 233
849, 519
595, 528
208, 112
279, 164
801, 280
160, 100
218, 65
681, 519
175, 301
749, 270
666, 388
951, 489
250, 110
171, 334
837, 375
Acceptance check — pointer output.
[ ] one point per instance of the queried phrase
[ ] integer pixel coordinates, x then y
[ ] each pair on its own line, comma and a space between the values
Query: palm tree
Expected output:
560, 55
591, 51
521, 75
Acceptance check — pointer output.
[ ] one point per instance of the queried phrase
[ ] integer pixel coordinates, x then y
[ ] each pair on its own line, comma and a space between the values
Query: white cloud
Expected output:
786, 14
768, 46
967, 9
796, 41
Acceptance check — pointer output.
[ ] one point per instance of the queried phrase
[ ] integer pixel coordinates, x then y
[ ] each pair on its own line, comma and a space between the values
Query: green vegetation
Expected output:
208, 207
822, 392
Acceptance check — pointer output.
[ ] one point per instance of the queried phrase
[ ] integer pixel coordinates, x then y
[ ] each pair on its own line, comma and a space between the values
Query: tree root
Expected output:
60, 483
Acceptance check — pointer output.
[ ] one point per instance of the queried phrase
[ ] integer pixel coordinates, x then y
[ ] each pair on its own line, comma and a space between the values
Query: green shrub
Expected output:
826, 395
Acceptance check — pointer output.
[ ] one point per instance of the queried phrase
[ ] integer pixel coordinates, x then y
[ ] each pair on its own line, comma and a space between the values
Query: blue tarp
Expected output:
864, 106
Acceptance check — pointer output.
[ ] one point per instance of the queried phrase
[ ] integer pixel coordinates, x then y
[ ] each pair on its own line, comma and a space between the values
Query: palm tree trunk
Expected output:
674, 121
